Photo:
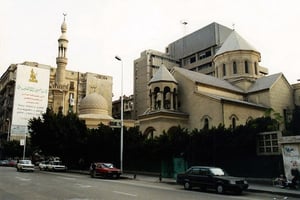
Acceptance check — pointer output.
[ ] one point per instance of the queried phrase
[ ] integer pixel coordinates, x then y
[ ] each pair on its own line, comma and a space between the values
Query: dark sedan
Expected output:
211, 177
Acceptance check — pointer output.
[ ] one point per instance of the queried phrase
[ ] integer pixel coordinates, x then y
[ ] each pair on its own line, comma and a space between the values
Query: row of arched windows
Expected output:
233, 118
235, 68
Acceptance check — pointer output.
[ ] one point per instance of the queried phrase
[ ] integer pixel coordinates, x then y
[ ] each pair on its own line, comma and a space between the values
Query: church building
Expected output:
236, 89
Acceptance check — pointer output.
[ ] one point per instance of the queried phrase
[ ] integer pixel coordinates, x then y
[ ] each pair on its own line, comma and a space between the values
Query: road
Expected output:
41, 185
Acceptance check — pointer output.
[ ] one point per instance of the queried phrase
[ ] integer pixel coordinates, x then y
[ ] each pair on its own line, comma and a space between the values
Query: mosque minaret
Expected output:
62, 60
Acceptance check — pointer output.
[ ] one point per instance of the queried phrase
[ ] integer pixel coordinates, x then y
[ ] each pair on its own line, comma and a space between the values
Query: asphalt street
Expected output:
42, 185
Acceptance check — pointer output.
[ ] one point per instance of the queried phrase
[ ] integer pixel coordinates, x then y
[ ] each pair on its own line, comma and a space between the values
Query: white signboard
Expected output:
31, 97
291, 158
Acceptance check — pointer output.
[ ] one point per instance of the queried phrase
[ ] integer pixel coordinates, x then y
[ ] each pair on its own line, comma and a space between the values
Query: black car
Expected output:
211, 177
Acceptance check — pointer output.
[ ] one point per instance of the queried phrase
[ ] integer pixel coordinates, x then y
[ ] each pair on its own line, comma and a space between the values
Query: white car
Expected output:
56, 165
44, 165
25, 165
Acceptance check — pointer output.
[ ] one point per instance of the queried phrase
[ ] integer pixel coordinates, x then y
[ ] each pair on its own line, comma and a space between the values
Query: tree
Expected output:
13, 149
59, 135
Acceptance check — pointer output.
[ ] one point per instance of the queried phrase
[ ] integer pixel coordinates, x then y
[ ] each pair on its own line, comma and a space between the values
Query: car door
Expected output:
204, 177
193, 176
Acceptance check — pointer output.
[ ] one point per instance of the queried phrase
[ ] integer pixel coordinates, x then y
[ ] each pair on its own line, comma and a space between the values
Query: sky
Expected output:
98, 30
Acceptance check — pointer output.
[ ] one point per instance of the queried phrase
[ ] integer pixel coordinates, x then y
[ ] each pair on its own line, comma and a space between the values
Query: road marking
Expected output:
245, 198
67, 178
82, 186
23, 179
124, 193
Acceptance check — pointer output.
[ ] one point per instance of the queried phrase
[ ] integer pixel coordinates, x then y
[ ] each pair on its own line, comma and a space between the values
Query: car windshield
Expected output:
25, 161
107, 165
217, 172
57, 162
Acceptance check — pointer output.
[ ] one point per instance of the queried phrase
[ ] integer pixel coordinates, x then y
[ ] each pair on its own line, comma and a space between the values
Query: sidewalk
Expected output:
255, 185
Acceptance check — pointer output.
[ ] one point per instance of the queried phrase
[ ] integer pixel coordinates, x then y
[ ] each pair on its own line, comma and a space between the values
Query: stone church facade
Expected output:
238, 89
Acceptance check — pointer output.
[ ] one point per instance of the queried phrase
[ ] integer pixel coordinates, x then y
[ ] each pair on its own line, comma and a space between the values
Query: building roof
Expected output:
227, 99
207, 79
235, 42
162, 74
209, 36
264, 83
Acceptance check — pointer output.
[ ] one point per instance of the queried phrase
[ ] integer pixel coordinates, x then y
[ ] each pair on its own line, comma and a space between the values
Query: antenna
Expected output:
184, 23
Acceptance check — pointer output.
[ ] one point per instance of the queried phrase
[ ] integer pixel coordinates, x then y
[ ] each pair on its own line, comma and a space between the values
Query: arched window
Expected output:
206, 123
224, 70
167, 98
234, 68
246, 67
157, 98
233, 118
233, 122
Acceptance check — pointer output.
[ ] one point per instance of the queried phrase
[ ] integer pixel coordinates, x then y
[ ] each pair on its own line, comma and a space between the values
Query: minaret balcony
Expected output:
61, 60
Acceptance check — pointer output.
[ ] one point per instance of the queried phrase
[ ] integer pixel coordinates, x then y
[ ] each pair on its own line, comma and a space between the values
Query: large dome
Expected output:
93, 104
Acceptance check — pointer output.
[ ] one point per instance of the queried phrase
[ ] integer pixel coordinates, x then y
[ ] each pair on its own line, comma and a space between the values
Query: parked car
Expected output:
104, 170
56, 165
43, 165
12, 163
4, 163
211, 177
25, 165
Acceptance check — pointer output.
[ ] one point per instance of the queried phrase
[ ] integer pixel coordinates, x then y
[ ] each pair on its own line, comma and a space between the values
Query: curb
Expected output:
283, 193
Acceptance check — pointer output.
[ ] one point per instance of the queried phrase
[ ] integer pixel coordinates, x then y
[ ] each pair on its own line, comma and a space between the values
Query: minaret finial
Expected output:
64, 14
233, 26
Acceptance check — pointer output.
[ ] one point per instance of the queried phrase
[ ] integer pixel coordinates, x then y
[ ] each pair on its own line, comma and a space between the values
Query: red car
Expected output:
106, 170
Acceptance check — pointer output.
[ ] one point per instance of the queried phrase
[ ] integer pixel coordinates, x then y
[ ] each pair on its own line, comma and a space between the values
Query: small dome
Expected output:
93, 104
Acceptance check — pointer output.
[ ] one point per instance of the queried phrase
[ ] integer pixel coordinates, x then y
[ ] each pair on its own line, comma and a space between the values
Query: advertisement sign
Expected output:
30, 98
291, 158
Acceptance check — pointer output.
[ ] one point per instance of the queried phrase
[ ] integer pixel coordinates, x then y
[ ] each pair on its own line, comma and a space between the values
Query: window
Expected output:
224, 70
246, 67
72, 87
255, 68
233, 122
206, 124
193, 59
267, 143
234, 68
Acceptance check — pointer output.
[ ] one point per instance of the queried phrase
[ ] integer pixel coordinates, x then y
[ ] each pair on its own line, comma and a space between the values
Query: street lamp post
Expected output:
121, 142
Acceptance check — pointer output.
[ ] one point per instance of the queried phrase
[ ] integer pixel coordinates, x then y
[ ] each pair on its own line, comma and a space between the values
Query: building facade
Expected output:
232, 89
67, 89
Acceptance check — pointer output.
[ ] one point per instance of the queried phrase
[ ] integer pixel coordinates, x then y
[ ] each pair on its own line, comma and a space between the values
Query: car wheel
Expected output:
187, 186
220, 188
239, 191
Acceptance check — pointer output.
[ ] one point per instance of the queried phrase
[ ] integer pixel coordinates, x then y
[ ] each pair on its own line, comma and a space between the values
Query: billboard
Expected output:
30, 97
